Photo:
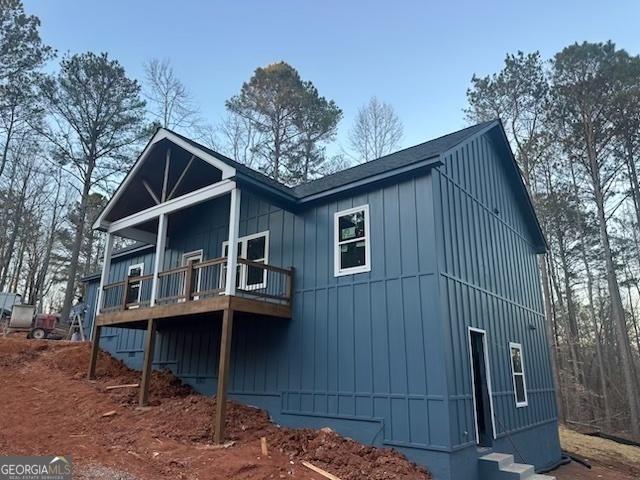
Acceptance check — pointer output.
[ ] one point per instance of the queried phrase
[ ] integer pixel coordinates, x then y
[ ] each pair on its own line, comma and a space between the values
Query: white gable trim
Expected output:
227, 170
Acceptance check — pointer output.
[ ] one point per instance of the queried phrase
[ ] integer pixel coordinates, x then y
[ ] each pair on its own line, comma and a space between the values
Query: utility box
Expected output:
22, 316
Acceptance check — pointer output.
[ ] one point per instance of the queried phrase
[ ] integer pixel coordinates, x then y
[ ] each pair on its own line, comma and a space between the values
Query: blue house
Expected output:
397, 302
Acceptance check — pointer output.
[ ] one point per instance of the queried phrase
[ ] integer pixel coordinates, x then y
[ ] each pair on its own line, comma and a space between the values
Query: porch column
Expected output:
106, 267
158, 263
232, 249
223, 375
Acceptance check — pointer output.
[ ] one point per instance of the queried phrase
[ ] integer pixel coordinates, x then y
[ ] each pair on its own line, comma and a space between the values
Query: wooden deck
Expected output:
139, 316
196, 289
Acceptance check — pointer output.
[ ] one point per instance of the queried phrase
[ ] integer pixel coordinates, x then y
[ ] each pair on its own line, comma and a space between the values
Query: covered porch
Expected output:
169, 188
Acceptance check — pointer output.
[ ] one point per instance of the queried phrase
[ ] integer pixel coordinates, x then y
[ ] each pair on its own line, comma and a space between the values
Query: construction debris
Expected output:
126, 385
263, 446
319, 470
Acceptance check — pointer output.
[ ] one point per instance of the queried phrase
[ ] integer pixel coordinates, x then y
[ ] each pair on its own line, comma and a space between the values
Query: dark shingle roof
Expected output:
390, 162
382, 165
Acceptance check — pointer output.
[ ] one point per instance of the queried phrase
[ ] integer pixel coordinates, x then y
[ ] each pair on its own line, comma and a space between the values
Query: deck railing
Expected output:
196, 281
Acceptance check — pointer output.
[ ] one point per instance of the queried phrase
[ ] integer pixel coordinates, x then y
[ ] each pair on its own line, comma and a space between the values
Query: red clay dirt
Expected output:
48, 407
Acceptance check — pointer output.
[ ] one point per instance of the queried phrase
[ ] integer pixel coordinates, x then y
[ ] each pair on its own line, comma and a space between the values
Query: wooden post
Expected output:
188, 277
95, 347
124, 293
223, 374
289, 287
150, 342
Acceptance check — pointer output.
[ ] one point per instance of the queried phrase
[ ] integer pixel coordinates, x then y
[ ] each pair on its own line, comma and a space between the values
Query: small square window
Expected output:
352, 244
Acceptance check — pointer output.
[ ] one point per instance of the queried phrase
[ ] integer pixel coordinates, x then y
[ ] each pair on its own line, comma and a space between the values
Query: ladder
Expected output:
76, 322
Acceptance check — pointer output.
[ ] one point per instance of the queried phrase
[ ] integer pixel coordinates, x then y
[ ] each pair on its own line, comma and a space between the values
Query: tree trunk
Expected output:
16, 223
617, 309
553, 348
77, 245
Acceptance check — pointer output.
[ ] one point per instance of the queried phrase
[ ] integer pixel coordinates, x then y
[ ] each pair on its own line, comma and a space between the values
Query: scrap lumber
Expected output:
263, 446
320, 471
110, 413
126, 385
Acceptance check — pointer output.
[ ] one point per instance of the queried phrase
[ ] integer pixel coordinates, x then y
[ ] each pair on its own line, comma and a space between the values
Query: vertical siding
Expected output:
489, 280
367, 346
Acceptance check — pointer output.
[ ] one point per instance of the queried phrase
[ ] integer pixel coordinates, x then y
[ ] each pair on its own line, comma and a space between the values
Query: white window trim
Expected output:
243, 241
473, 382
339, 272
187, 255
133, 267
518, 346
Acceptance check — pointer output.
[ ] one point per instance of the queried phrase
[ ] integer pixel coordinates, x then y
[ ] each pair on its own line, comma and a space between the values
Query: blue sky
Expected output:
417, 55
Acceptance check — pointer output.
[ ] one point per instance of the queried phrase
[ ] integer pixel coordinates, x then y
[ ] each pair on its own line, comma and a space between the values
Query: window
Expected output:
254, 248
134, 287
352, 252
196, 278
519, 382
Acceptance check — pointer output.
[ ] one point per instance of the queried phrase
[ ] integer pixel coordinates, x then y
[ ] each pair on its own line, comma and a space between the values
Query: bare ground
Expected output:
48, 407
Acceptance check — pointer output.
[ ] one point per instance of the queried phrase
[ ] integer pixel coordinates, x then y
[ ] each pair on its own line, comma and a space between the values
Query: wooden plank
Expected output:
264, 449
95, 346
322, 472
149, 346
223, 374
127, 385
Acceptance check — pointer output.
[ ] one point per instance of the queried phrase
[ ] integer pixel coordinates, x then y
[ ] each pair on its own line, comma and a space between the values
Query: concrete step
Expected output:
500, 466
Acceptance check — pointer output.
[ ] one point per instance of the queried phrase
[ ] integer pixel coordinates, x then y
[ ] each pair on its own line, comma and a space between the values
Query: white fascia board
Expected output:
179, 203
227, 170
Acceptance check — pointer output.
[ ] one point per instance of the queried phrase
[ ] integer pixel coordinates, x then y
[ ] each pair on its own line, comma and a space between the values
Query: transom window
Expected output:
519, 381
352, 245
254, 248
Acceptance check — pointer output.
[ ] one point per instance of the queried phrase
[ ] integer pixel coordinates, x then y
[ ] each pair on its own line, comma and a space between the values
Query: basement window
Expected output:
517, 368
352, 253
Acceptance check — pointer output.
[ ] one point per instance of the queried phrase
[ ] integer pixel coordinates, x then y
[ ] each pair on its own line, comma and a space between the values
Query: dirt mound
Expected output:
15, 351
172, 439
346, 458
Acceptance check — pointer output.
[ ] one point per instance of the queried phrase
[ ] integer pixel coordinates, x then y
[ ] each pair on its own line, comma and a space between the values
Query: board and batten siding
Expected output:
365, 348
489, 280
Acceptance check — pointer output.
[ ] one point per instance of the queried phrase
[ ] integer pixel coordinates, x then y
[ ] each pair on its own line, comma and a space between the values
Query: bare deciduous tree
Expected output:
168, 99
376, 132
